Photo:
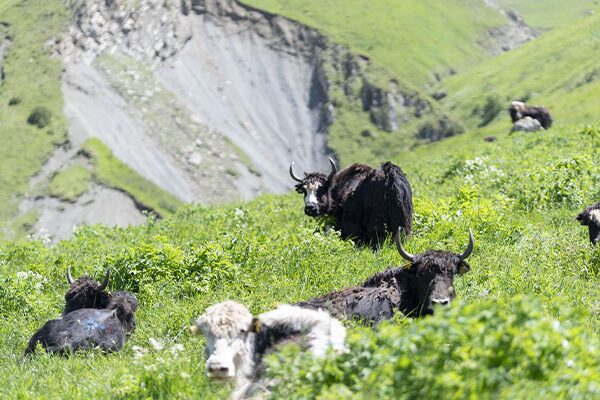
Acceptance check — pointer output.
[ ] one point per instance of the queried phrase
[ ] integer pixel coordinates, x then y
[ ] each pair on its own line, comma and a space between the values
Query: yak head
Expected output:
315, 187
433, 273
86, 293
226, 327
125, 304
591, 217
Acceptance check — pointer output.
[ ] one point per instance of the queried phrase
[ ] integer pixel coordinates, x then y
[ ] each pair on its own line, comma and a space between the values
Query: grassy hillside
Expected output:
527, 316
555, 70
414, 39
31, 79
549, 14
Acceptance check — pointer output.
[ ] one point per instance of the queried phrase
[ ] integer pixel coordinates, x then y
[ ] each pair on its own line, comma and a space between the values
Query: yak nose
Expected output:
444, 301
218, 370
311, 208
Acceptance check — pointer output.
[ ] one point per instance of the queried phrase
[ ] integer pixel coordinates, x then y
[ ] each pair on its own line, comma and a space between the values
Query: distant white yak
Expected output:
236, 341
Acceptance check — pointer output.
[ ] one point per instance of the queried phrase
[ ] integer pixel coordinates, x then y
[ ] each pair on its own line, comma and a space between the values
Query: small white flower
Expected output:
570, 363
155, 344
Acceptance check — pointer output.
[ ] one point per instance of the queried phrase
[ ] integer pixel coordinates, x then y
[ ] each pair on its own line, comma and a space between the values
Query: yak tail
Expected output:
398, 199
31, 346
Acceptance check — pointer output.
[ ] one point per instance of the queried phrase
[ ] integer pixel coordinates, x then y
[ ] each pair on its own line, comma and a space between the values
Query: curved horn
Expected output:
294, 177
106, 278
333, 169
470, 246
69, 277
406, 255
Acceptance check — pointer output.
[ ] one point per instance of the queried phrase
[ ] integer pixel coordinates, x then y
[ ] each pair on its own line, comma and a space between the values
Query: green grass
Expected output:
532, 268
32, 75
111, 172
69, 183
549, 14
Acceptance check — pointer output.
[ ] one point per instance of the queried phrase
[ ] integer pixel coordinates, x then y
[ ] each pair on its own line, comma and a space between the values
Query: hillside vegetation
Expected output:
527, 316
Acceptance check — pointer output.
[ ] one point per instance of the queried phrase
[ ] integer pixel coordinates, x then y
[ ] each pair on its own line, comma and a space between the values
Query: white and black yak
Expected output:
518, 110
366, 203
236, 341
591, 217
92, 318
412, 290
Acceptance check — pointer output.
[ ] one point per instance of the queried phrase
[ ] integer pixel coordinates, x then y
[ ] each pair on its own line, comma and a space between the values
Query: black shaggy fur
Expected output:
88, 328
405, 289
536, 112
85, 293
268, 338
367, 203
591, 217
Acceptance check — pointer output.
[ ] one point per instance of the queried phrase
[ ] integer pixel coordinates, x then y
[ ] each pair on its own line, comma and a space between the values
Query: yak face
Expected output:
315, 187
433, 273
226, 327
591, 217
86, 293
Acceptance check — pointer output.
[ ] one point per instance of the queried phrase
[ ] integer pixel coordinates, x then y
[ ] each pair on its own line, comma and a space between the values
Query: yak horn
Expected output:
333, 169
294, 177
406, 255
106, 278
69, 277
470, 246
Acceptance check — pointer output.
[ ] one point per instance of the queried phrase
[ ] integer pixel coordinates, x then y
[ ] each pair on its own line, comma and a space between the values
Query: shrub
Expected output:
39, 116
14, 101
466, 351
490, 110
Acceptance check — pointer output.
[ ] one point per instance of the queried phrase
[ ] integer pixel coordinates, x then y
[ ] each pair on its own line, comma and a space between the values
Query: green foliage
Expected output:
490, 110
14, 101
479, 350
110, 171
70, 183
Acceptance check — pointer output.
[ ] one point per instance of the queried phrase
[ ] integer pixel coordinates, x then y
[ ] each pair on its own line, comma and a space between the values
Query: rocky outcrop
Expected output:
527, 124
510, 35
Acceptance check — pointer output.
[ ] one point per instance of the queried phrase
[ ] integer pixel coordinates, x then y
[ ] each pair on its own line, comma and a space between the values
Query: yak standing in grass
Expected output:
365, 202
591, 217
412, 290
518, 110
92, 318
236, 341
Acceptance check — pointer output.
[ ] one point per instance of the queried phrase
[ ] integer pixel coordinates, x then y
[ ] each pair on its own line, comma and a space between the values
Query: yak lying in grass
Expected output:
519, 110
412, 290
93, 318
236, 341
365, 202
591, 217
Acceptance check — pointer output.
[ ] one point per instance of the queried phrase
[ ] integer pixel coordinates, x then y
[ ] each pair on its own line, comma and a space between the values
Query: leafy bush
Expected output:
39, 116
477, 350
14, 101
490, 110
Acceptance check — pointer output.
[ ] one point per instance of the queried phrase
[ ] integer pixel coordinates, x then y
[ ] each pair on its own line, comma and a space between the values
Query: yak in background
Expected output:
518, 110
591, 217
366, 203
92, 318
412, 290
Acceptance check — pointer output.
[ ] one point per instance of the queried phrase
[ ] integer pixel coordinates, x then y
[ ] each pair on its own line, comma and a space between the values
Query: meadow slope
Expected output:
526, 319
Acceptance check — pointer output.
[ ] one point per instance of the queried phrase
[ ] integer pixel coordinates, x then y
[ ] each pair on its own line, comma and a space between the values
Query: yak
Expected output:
92, 317
236, 341
412, 290
519, 110
591, 217
89, 328
365, 202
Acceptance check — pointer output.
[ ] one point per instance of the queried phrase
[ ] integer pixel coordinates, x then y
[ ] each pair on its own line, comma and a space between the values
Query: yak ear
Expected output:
579, 218
255, 326
463, 267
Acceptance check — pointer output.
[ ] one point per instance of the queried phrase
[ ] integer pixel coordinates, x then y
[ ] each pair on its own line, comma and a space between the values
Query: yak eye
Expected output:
300, 190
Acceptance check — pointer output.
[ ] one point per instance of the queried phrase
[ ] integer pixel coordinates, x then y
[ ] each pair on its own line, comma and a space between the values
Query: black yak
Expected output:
86, 293
428, 280
365, 202
591, 217
89, 328
519, 110
236, 341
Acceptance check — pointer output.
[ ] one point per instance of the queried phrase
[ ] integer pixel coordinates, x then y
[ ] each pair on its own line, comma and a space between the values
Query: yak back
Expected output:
367, 304
81, 329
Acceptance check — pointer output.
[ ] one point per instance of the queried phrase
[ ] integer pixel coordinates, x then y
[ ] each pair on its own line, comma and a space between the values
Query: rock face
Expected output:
510, 35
